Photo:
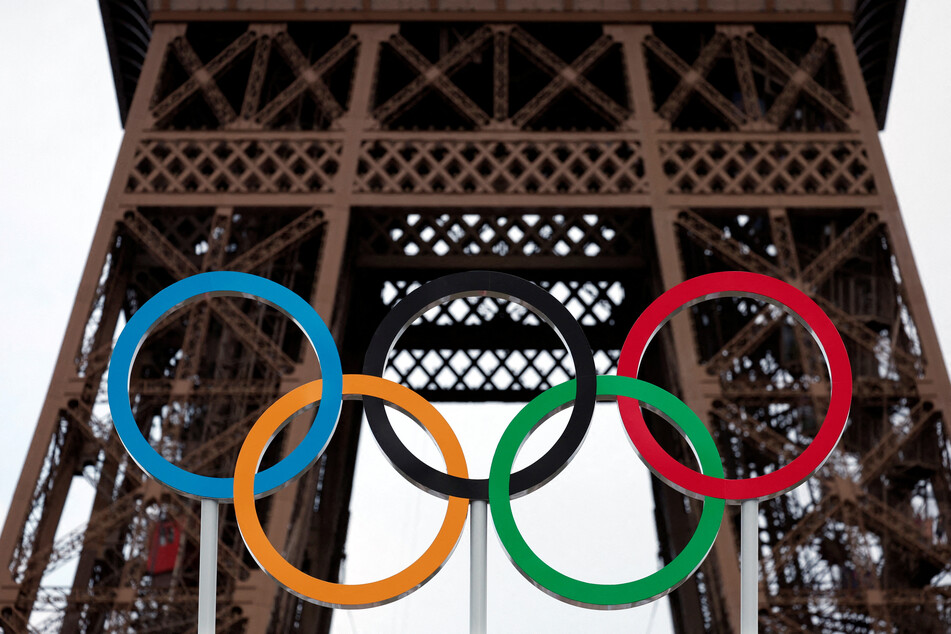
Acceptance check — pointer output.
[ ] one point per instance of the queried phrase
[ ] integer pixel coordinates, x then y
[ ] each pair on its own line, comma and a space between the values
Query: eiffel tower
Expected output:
605, 149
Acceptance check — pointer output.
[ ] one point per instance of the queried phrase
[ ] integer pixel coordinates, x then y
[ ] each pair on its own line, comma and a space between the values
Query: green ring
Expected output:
594, 595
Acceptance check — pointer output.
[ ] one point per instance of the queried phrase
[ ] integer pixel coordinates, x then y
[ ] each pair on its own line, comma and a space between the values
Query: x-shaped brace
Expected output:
147, 235
437, 76
756, 330
308, 77
688, 82
800, 79
567, 76
694, 78
202, 77
787, 98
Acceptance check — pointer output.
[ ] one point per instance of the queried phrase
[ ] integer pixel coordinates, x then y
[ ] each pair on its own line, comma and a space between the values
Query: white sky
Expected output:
60, 133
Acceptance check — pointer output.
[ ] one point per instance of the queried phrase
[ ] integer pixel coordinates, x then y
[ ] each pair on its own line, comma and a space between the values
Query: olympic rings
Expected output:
595, 595
180, 294
507, 287
501, 486
738, 284
337, 595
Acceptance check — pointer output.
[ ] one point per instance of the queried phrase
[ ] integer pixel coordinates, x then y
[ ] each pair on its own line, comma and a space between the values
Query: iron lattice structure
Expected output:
606, 152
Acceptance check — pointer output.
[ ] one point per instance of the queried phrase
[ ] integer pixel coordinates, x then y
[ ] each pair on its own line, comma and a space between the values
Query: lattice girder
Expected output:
228, 165
746, 109
514, 167
867, 514
429, 358
789, 167
616, 239
262, 41
560, 75
436, 75
320, 168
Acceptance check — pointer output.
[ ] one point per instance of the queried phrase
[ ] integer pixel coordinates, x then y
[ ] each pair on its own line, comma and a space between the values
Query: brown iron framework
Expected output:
606, 157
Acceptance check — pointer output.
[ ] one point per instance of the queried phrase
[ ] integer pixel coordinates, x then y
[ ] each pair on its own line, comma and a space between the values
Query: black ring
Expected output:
503, 286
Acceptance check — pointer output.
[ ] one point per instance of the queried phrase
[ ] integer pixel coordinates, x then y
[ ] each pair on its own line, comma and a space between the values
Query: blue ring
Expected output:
228, 283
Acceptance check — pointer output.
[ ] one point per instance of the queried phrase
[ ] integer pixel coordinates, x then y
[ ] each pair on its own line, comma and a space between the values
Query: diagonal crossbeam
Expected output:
788, 259
252, 91
68, 547
900, 529
152, 239
199, 317
500, 75
841, 249
891, 443
810, 65
749, 337
852, 327
202, 78
688, 81
98, 432
436, 76
295, 232
757, 434
785, 243
759, 328
744, 76
212, 93
731, 249
856, 534
308, 77
806, 529
804, 79
221, 444
567, 76
699, 83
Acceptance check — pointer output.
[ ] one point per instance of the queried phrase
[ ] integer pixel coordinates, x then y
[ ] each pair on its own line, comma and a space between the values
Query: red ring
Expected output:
738, 284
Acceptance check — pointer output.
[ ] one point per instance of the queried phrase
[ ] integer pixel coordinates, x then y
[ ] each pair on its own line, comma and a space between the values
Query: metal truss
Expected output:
605, 167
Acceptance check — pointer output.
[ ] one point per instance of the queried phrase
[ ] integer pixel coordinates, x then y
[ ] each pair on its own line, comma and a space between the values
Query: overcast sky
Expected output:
60, 132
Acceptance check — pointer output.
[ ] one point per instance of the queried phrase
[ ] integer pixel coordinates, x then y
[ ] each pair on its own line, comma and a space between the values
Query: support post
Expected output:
477, 566
208, 567
749, 567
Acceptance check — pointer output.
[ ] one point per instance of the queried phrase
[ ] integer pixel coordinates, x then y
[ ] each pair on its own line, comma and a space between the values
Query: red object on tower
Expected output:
166, 539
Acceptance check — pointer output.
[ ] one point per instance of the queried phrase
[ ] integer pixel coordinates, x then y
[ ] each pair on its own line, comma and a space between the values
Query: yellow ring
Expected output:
337, 595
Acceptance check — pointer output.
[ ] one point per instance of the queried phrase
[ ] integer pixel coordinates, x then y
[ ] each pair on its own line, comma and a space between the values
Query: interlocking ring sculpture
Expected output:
580, 393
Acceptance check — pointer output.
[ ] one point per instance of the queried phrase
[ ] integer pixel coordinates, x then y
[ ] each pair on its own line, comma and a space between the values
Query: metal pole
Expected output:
208, 567
749, 567
477, 565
